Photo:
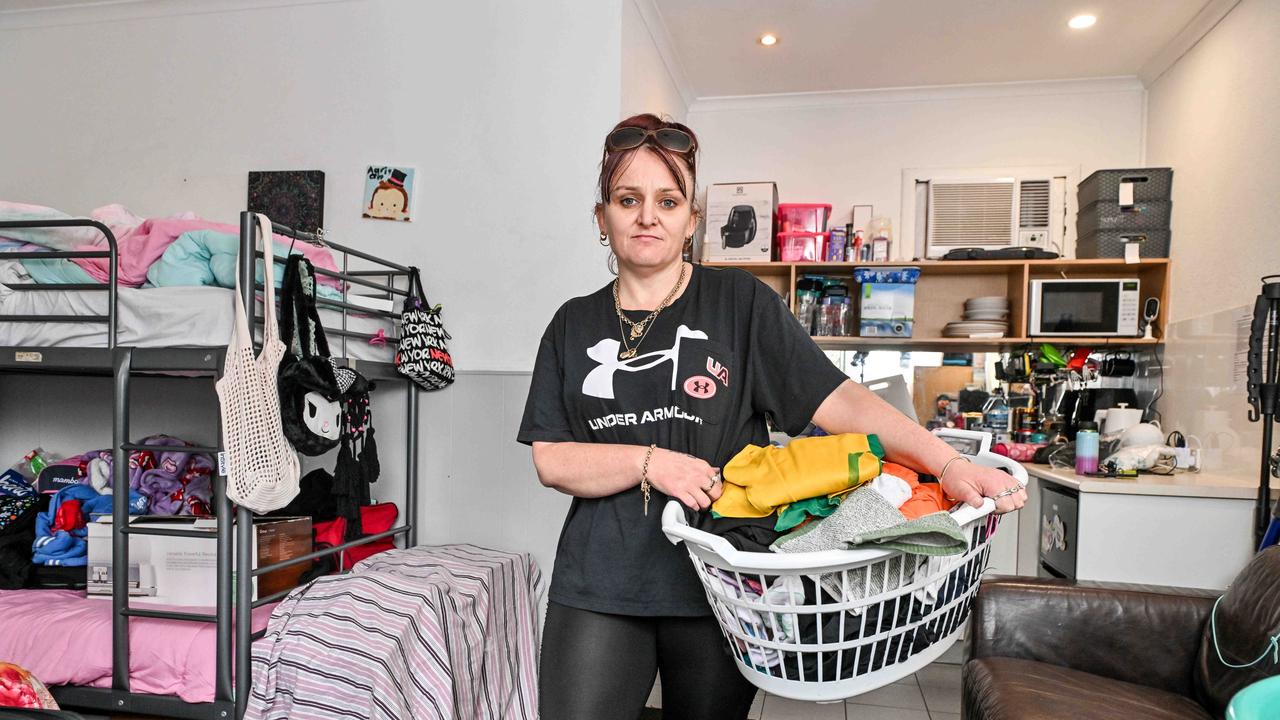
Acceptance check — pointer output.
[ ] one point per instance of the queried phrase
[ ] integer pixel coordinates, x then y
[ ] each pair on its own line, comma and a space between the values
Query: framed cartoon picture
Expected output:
388, 193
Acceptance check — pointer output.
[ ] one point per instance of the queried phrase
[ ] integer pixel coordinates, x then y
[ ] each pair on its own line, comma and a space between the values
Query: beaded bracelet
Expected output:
644, 477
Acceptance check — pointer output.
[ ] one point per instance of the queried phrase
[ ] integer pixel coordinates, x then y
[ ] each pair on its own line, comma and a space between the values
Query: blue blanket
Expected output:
208, 257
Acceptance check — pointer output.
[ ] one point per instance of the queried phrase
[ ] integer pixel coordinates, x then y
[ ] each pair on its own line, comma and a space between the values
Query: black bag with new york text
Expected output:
422, 354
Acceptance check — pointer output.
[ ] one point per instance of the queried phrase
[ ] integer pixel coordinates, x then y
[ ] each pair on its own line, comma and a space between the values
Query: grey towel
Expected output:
866, 519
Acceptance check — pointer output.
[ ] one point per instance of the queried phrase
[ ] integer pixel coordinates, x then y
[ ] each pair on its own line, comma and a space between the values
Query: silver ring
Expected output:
1007, 492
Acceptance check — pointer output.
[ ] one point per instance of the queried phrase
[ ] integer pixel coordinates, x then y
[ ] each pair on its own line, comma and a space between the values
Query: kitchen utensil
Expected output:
1119, 418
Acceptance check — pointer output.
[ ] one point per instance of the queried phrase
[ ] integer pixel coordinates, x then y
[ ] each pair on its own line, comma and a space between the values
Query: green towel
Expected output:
792, 515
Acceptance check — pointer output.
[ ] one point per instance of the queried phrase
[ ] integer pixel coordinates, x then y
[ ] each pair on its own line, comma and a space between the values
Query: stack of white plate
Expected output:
983, 316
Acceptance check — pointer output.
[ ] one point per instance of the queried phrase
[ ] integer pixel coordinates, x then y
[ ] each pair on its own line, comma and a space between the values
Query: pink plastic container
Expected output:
803, 217
801, 246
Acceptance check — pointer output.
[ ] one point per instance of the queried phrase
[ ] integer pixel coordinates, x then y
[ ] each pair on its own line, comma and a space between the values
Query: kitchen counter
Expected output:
1180, 484
1186, 529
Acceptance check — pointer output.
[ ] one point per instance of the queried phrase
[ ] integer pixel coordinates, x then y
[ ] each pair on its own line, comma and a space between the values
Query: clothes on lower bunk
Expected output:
175, 482
61, 530
17, 530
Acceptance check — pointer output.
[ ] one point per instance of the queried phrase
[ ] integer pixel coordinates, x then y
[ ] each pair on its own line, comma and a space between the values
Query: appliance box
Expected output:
742, 219
1091, 307
182, 571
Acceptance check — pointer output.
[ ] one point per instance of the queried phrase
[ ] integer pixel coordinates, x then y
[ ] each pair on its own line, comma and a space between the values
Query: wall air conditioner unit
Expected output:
990, 213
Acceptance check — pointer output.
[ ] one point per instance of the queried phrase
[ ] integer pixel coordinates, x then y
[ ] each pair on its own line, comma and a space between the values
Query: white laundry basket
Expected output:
824, 626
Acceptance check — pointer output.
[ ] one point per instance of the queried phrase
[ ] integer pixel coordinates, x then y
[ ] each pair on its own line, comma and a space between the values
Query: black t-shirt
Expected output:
724, 355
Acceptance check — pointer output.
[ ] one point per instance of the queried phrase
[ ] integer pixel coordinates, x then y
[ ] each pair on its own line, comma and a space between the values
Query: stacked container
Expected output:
1119, 208
802, 231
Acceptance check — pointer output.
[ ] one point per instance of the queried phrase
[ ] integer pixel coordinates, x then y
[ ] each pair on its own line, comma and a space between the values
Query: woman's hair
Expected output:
613, 164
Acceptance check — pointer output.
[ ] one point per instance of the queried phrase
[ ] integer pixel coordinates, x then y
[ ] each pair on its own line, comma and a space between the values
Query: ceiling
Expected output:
832, 45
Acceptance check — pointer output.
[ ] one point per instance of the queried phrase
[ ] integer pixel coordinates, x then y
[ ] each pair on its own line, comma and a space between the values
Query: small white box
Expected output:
166, 570
742, 219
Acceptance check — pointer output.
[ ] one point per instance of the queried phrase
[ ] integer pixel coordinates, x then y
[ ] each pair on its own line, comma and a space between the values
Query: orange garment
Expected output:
925, 497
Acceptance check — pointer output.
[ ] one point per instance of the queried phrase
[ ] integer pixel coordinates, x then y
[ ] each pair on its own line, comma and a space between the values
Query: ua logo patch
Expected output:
700, 386
718, 371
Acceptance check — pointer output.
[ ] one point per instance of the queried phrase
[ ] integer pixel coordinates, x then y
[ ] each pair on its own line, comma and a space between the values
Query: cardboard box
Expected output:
742, 219
183, 571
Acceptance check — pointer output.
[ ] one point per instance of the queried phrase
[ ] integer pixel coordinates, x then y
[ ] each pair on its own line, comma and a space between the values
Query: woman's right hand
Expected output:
686, 478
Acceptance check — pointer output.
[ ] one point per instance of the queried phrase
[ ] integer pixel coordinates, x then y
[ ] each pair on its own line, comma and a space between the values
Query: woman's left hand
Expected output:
970, 483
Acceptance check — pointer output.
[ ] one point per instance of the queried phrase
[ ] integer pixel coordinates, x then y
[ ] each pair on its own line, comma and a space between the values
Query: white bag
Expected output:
262, 467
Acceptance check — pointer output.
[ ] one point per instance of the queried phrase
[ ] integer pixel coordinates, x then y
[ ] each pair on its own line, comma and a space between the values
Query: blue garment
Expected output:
70, 547
12, 484
209, 257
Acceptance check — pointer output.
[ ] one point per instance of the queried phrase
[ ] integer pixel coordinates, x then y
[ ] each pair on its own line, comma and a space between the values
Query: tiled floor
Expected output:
931, 694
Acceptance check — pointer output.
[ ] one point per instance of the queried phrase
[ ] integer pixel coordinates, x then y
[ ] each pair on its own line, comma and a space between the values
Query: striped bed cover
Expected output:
447, 631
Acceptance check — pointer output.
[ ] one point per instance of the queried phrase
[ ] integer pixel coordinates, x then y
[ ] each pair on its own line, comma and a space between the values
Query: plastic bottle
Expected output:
1087, 448
996, 413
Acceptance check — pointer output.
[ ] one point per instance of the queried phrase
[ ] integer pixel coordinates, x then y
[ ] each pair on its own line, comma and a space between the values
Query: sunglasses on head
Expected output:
625, 138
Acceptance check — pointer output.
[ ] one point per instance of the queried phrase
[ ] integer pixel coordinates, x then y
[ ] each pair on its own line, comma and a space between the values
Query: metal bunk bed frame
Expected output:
231, 690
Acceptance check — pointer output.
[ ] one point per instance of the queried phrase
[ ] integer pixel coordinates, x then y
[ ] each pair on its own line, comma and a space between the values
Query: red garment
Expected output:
375, 518
70, 516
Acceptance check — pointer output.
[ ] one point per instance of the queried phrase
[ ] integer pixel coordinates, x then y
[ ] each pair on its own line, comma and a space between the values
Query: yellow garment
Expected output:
758, 480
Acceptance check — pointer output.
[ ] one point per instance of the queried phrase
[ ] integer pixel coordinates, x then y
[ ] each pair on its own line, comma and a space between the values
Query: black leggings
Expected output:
596, 666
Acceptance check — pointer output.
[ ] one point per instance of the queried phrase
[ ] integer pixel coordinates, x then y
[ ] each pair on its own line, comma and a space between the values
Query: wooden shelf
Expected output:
945, 344
945, 284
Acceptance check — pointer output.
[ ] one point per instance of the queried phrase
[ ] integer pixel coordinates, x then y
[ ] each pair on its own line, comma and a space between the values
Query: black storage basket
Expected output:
1151, 185
1111, 243
1105, 216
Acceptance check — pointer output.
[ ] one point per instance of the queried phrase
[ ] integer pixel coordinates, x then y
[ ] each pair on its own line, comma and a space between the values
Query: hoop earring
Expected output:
612, 263
604, 240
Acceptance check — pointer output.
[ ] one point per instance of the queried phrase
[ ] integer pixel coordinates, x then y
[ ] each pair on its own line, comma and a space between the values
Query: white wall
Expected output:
166, 106
1211, 116
851, 148
647, 82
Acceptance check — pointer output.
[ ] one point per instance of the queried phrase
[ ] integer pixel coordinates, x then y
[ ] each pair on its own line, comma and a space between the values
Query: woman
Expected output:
640, 392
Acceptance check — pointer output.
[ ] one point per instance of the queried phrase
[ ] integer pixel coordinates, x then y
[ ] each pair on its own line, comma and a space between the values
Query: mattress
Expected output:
67, 641
155, 317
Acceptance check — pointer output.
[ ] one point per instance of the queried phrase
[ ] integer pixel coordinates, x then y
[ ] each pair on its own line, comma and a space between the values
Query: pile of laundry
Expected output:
789, 499
834, 493
45, 507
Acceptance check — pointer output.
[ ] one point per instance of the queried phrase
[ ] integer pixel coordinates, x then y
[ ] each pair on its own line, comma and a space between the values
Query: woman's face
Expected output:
647, 218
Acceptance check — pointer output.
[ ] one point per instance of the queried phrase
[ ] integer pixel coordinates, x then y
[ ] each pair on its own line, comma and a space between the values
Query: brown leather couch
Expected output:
1057, 649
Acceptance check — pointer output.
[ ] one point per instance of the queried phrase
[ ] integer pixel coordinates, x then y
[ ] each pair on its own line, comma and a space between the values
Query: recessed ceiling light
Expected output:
1081, 22
768, 39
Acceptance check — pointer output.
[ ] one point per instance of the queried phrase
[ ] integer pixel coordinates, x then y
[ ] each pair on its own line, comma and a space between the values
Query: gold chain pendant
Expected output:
637, 329
627, 354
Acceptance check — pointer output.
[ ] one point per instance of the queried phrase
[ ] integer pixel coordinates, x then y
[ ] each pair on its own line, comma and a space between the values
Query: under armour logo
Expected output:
599, 382
700, 387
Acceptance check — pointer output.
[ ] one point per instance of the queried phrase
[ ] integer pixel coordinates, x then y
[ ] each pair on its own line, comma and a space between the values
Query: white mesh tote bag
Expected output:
262, 468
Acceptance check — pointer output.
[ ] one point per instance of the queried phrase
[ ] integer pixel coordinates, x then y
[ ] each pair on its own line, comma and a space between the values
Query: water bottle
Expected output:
996, 413
1087, 448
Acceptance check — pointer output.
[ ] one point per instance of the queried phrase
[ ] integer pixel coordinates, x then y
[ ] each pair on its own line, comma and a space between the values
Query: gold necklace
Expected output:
641, 329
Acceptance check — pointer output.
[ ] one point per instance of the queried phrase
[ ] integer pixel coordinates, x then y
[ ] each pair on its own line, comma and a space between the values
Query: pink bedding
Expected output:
64, 638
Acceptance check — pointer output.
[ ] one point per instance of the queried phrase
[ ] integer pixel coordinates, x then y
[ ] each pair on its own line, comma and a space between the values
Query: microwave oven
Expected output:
1100, 307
